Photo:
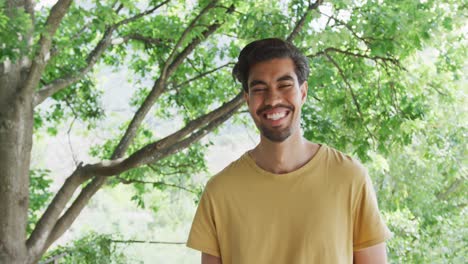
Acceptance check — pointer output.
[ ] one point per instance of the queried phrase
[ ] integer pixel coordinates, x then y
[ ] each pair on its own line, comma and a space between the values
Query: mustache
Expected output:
268, 107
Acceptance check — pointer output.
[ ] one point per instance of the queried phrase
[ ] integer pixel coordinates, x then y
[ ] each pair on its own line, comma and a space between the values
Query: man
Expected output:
287, 200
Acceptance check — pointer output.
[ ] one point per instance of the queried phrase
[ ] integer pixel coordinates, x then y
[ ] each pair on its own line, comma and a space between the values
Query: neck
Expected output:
283, 157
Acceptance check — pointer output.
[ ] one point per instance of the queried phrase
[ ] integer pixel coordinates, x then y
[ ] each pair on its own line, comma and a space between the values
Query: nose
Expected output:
272, 97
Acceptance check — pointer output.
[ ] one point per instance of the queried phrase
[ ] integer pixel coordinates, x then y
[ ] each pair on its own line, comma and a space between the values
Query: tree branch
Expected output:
357, 55
38, 238
144, 39
348, 27
159, 86
149, 154
155, 183
130, 132
189, 128
300, 23
184, 35
156, 91
147, 242
178, 166
91, 60
351, 91
55, 258
56, 15
72, 152
175, 172
65, 221
348, 85
29, 8
201, 75
119, 8
199, 134
182, 55
55, 51
450, 189
195, 42
137, 16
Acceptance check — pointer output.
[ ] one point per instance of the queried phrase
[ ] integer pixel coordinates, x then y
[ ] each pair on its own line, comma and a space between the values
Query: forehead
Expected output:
272, 69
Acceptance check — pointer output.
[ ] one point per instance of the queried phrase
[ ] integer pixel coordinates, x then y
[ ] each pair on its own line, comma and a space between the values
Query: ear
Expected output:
304, 88
246, 98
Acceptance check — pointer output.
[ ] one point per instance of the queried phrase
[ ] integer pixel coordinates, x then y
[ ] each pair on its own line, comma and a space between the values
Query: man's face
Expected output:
275, 98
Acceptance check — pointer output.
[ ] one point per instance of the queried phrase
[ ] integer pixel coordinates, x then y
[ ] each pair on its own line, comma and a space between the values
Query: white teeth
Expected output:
276, 116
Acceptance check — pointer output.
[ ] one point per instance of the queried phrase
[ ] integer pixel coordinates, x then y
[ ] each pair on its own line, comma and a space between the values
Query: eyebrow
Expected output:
286, 77
255, 82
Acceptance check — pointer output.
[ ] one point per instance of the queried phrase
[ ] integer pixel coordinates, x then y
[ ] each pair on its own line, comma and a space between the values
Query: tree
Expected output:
180, 56
422, 185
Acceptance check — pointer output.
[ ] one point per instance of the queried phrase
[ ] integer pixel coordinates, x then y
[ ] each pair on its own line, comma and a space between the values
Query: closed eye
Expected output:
258, 89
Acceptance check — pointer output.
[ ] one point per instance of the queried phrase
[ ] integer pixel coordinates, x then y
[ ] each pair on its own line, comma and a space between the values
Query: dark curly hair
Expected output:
267, 49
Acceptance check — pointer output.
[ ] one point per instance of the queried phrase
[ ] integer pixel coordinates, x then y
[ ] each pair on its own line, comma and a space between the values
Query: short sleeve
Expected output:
369, 228
202, 235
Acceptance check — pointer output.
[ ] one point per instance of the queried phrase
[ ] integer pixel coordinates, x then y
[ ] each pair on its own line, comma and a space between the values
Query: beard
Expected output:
276, 135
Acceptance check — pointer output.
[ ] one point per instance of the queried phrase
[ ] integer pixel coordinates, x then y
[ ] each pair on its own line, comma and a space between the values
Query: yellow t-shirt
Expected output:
319, 213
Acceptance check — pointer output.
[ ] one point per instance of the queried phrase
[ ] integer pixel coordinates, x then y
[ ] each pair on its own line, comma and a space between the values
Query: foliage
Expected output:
11, 30
91, 248
421, 190
39, 195
422, 186
359, 98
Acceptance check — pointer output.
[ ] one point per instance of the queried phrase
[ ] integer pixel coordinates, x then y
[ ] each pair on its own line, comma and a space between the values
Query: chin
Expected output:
276, 136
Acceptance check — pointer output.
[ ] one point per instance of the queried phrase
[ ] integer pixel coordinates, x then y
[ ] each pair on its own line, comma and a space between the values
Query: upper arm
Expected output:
371, 255
209, 259
203, 233
368, 226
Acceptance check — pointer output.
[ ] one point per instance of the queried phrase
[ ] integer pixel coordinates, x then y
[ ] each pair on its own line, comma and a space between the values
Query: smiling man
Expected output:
287, 200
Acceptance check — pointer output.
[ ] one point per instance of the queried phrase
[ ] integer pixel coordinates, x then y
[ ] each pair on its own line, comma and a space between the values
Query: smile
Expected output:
276, 116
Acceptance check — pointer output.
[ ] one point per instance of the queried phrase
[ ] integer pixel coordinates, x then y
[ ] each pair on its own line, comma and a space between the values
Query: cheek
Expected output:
253, 107
254, 103
295, 97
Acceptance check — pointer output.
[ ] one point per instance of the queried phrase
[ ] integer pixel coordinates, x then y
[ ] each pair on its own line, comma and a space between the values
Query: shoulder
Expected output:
345, 167
228, 176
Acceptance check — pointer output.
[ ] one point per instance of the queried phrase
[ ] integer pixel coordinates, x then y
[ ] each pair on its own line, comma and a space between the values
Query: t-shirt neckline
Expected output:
314, 160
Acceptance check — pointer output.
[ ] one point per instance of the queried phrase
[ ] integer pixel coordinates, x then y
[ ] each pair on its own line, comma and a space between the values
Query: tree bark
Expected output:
16, 127
17, 84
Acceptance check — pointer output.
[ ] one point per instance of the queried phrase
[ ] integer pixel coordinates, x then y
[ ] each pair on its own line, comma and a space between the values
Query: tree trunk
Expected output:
16, 127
